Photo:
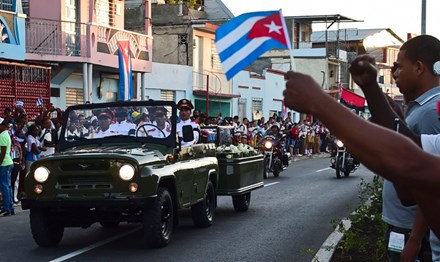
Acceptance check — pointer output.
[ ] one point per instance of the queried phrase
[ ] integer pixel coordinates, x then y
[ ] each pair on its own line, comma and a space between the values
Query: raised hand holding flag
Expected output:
243, 39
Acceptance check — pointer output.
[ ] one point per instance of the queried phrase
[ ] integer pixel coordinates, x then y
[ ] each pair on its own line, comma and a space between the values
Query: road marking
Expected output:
270, 184
320, 170
98, 244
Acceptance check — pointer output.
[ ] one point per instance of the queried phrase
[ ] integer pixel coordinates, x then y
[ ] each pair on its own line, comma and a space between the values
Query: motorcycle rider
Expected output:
278, 136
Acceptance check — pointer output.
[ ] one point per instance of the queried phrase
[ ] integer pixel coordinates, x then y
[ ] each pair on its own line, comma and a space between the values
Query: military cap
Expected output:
160, 111
106, 114
184, 103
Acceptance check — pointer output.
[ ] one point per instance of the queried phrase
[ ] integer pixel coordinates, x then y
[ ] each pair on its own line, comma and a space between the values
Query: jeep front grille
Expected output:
85, 166
85, 182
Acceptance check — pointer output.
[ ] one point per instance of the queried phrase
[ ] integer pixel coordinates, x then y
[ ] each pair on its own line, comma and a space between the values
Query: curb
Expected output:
327, 248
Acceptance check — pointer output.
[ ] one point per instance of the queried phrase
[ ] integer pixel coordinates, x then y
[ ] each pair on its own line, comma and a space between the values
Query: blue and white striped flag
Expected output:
242, 40
39, 101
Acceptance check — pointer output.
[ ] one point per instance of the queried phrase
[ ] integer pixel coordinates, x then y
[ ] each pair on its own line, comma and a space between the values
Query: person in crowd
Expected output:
185, 106
104, 119
47, 137
82, 130
422, 91
6, 162
72, 132
397, 159
8, 115
34, 146
121, 126
19, 165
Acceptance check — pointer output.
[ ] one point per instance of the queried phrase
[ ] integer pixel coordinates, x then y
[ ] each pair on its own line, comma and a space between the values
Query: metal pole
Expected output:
423, 17
207, 95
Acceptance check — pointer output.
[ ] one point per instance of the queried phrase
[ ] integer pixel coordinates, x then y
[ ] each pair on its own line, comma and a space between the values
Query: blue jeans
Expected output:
5, 187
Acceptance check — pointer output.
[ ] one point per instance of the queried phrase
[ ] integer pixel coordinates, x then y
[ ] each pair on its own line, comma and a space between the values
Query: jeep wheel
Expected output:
241, 202
46, 232
158, 220
203, 212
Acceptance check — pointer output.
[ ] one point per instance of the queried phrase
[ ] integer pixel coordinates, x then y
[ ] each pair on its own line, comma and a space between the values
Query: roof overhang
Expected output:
324, 18
203, 93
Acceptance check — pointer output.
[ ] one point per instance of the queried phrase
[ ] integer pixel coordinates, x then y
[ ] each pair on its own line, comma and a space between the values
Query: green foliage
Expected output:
365, 238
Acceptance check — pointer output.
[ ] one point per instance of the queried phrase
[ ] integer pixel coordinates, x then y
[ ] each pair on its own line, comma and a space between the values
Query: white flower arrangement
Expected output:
241, 150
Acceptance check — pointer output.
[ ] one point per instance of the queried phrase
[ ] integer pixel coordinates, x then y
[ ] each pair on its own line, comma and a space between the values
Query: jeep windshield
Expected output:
119, 122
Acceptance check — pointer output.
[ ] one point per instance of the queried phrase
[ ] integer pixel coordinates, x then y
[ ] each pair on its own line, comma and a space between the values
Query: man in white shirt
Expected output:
185, 107
104, 120
121, 126
163, 129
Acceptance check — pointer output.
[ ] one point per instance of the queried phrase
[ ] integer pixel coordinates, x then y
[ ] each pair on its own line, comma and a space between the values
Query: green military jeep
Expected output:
120, 162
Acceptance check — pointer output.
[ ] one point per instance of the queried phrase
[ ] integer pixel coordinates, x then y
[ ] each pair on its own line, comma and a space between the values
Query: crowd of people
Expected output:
21, 144
301, 138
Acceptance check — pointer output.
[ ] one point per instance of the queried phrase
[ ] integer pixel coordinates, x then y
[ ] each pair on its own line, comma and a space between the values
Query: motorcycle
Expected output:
343, 161
275, 157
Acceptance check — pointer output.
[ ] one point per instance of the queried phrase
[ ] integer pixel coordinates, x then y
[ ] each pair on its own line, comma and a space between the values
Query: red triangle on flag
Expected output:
270, 26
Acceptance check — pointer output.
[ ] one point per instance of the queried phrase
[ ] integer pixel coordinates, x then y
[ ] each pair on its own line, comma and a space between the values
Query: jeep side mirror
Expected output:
188, 134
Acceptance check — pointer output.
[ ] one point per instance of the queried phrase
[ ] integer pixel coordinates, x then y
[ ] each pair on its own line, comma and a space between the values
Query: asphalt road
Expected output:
288, 219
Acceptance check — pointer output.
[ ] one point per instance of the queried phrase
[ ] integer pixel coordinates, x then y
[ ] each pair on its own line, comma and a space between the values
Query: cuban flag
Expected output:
125, 75
242, 40
39, 101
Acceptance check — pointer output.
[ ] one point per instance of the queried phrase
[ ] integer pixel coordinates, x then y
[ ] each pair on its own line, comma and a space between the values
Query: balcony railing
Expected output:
65, 38
303, 44
50, 37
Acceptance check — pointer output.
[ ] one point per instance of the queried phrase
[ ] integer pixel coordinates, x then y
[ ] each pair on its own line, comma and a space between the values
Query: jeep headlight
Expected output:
126, 172
41, 174
268, 144
339, 143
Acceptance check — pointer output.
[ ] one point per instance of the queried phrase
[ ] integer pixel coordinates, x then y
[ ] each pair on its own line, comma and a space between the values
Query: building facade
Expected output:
79, 40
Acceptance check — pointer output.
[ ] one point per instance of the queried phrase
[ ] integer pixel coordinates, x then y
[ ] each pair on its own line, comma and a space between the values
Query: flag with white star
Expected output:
240, 41
125, 74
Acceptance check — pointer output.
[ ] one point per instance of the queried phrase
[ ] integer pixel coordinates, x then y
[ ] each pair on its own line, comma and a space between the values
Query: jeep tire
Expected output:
241, 202
158, 220
46, 232
203, 212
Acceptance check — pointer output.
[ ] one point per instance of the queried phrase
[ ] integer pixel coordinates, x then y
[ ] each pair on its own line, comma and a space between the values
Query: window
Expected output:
216, 65
74, 96
167, 95
105, 12
257, 108
6, 5
55, 92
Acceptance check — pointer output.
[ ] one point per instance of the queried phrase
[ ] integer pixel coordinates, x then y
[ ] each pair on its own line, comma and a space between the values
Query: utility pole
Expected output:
423, 17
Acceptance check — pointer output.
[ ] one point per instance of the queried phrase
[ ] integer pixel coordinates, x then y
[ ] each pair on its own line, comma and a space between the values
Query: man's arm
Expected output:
364, 73
404, 161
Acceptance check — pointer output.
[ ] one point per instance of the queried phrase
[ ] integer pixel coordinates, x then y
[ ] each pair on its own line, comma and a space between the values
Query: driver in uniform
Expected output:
185, 107
161, 121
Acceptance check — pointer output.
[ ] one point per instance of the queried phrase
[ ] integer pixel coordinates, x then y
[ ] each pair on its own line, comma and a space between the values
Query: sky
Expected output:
401, 16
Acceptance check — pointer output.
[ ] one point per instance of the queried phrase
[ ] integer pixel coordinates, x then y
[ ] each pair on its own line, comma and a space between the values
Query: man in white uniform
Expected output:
104, 120
163, 129
185, 108
121, 126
